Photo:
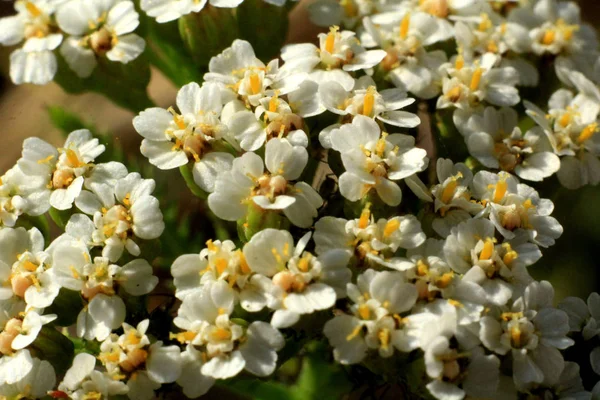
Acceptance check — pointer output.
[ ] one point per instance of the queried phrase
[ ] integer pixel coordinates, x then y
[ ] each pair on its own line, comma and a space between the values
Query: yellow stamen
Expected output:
33, 10
587, 132
404, 25
177, 118
516, 336
29, 266
384, 338
460, 62
485, 23
476, 79
220, 265
488, 249
127, 200
391, 227
369, 101
244, 264
500, 190
211, 246
274, 103
510, 255
355, 332
304, 262
221, 334
330, 41
422, 268
255, 85
444, 281
548, 38
365, 216
46, 160
364, 312
565, 119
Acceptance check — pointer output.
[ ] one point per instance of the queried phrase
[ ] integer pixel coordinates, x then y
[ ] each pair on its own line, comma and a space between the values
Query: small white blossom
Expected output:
169, 10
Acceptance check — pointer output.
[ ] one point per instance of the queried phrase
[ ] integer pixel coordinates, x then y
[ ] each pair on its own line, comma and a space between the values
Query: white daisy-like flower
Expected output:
34, 24
83, 381
220, 261
458, 375
533, 332
97, 281
15, 368
364, 99
26, 268
452, 196
301, 283
169, 10
62, 170
500, 269
120, 214
496, 141
99, 29
172, 140
374, 160
378, 299
36, 384
272, 118
228, 347
470, 83
248, 185
338, 54
370, 241
145, 367
584, 316
193, 382
404, 36
20, 194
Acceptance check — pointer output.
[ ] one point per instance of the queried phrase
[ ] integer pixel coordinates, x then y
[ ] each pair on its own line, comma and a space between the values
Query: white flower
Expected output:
34, 62
119, 215
326, 13
228, 346
169, 10
172, 139
99, 29
496, 141
404, 36
364, 99
373, 160
35, 384
500, 269
584, 316
379, 298
62, 170
15, 368
25, 268
145, 367
82, 380
300, 282
193, 382
455, 378
533, 332
20, 194
369, 240
452, 196
469, 84
272, 118
29, 328
338, 54
248, 185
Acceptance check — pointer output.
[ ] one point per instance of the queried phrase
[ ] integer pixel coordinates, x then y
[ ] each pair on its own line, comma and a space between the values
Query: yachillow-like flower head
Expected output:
63, 171
457, 374
247, 185
364, 99
469, 84
220, 261
98, 281
495, 140
374, 160
99, 29
405, 37
197, 134
369, 241
373, 320
338, 54
533, 332
452, 196
22, 330
25, 268
499, 268
130, 358
226, 346
169, 10
300, 283
120, 214
83, 381
34, 25
20, 194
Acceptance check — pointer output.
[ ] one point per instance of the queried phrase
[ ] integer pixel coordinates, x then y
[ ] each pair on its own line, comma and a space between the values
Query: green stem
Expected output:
186, 172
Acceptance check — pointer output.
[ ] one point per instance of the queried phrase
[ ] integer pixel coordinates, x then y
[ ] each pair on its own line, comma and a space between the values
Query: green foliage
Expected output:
67, 121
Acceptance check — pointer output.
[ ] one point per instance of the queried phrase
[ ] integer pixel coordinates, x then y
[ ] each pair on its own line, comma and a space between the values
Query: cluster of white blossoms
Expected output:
82, 30
310, 155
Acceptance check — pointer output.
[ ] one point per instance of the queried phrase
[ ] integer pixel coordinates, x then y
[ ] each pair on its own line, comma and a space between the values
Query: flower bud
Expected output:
266, 38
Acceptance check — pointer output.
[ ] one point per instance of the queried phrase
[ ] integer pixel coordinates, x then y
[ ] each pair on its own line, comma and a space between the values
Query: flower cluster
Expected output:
302, 165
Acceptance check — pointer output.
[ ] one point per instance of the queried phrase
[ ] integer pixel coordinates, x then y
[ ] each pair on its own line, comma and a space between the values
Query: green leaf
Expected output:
266, 38
257, 389
124, 84
53, 346
66, 306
